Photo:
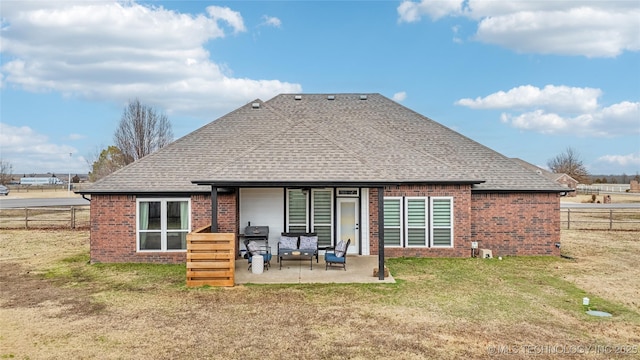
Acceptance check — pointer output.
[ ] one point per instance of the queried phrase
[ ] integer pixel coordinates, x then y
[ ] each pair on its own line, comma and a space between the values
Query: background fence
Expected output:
600, 219
602, 188
72, 217
75, 217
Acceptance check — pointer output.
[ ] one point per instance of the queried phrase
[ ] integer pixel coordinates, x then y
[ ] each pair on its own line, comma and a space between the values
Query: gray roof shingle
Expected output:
314, 140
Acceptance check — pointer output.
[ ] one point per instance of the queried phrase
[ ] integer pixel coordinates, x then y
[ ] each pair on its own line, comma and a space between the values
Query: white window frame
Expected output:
426, 226
401, 226
163, 223
429, 223
451, 222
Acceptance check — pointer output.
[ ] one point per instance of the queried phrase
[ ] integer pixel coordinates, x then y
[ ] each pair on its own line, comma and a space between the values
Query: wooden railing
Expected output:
72, 217
210, 258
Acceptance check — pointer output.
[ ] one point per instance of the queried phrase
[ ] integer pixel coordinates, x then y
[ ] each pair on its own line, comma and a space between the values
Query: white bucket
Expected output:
257, 264
585, 301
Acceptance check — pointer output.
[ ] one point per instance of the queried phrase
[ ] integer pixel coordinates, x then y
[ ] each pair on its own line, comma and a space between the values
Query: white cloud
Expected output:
115, 51
554, 98
76, 137
561, 110
621, 160
271, 21
399, 96
35, 151
233, 18
410, 11
585, 28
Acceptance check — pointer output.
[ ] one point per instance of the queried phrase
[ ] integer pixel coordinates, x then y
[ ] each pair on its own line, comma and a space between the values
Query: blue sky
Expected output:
526, 78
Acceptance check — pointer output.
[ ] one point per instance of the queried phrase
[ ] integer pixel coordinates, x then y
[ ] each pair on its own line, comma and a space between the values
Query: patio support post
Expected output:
381, 233
214, 209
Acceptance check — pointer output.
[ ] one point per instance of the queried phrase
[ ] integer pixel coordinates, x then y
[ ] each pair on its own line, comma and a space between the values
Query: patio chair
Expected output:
253, 248
337, 257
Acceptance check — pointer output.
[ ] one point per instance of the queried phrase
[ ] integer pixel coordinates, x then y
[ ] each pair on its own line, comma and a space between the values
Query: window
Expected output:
441, 222
163, 224
348, 192
393, 222
319, 218
418, 222
416, 210
297, 211
322, 215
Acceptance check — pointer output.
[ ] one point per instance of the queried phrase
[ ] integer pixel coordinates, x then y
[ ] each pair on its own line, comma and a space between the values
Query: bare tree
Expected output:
569, 163
141, 131
6, 170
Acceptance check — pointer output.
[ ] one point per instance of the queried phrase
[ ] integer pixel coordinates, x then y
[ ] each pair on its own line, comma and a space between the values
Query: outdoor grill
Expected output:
256, 233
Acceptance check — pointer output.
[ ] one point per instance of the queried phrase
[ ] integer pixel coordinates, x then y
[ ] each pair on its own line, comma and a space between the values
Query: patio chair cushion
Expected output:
340, 249
288, 242
332, 258
253, 247
308, 242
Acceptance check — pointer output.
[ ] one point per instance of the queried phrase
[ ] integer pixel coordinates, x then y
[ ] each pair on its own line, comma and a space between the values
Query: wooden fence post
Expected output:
568, 219
73, 217
610, 219
26, 218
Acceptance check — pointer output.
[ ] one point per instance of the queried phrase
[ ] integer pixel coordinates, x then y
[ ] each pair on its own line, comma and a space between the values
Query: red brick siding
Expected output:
113, 227
506, 223
462, 227
516, 223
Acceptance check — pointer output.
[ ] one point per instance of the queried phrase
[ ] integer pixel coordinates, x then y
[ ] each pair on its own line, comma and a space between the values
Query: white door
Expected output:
348, 223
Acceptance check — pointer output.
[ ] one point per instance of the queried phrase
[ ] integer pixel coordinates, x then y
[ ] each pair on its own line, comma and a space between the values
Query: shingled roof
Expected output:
321, 140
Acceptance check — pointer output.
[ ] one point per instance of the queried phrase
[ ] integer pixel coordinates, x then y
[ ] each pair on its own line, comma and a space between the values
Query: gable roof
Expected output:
543, 172
312, 140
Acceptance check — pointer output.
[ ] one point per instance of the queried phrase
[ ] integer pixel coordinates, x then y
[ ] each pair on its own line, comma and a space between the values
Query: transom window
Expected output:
418, 221
163, 224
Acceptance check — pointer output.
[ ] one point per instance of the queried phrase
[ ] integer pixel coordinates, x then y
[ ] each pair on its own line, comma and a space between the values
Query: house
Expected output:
563, 179
347, 166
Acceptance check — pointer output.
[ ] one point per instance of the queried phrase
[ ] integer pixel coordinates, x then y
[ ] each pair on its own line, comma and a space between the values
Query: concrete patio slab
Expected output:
359, 270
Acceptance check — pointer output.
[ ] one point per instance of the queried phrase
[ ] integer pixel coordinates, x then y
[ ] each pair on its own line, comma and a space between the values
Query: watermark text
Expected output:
560, 349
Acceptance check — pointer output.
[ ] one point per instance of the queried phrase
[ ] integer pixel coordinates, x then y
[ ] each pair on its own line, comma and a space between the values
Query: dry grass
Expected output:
55, 305
605, 264
617, 198
29, 192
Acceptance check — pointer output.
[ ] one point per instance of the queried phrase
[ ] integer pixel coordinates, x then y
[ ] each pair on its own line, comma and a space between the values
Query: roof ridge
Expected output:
255, 147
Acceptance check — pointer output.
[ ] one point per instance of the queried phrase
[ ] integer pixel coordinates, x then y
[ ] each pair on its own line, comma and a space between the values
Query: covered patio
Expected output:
359, 270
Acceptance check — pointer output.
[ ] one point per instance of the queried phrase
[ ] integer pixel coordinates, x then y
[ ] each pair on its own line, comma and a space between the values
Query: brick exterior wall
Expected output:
113, 227
462, 220
505, 223
516, 223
